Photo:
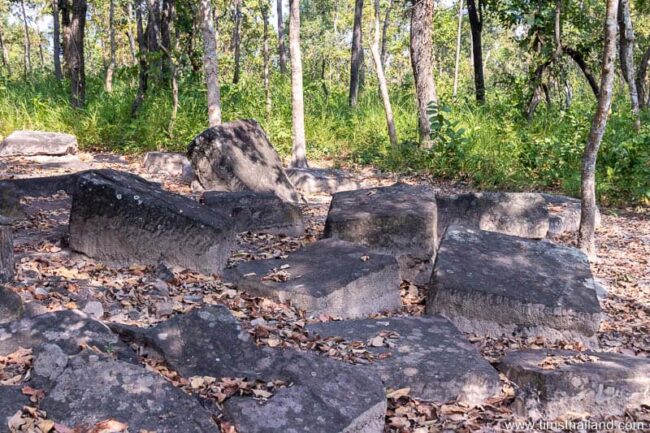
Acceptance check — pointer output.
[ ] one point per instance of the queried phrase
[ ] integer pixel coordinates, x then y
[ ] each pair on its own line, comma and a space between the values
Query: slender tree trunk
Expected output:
41, 56
586, 236
210, 63
626, 53
641, 78
282, 46
584, 67
384, 33
383, 87
299, 150
236, 41
458, 39
356, 53
27, 44
64, 7
56, 40
76, 54
422, 64
5, 53
166, 39
143, 68
129, 31
476, 24
264, 6
108, 83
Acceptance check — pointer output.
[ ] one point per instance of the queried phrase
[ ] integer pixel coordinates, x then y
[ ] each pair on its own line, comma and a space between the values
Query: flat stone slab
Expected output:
11, 305
12, 400
323, 395
169, 164
553, 383
93, 389
238, 156
400, 220
122, 219
564, 215
492, 284
517, 214
330, 277
257, 212
426, 354
321, 180
30, 143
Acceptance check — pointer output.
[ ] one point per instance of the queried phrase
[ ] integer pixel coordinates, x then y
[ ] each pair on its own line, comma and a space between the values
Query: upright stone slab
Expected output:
122, 219
321, 180
556, 382
517, 214
330, 277
167, 163
7, 269
492, 284
238, 156
30, 143
399, 220
426, 354
257, 212
564, 215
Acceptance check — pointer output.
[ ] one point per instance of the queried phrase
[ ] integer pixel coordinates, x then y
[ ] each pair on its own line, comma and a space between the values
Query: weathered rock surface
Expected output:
122, 219
11, 401
399, 220
68, 329
330, 277
28, 143
11, 306
170, 164
257, 212
43, 186
427, 354
324, 395
7, 269
10, 206
554, 383
563, 215
238, 156
490, 283
93, 388
517, 214
321, 180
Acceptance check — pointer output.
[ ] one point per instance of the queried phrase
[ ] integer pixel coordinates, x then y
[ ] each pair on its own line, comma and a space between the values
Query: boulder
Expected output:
12, 400
11, 306
553, 383
564, 215
517, 214
169, 164
122, 219
95, 388
238, 156
321, 180
7, 269
69, 329
426, 354
331, 277
399, 220
257, 212
29, 143
492, 284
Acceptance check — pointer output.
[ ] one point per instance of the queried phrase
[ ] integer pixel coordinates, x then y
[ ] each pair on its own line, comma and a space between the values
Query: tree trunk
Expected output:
108, 84
626, 47
27, 44
56, 40
236, 41
476, 24
76, 54
299, 150
282, 46
383, 87
5, 53
458, 39
210, 63
422, 63
642, 76
143, 68
586, 236
264, 6
129, 31
584, 67
64, 7
384, 33
7, 270
356, 53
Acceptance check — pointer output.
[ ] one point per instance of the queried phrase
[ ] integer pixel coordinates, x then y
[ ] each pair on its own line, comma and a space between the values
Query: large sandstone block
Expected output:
29, 143
257, 212
564, 215
400, 220
170, 164
426, 354
10, 206
558, 382
122, 219
321, 180
492, 284
238, 156
330, 277
517, 214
